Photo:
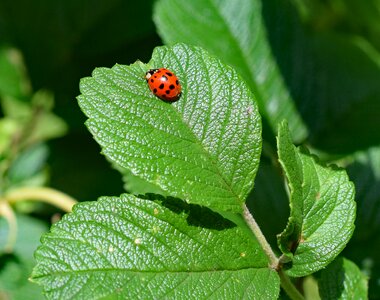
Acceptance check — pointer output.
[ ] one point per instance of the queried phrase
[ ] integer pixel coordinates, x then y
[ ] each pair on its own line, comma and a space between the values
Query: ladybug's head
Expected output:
149, 73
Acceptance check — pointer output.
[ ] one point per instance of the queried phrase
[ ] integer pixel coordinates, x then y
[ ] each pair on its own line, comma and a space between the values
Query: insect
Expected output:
164, 84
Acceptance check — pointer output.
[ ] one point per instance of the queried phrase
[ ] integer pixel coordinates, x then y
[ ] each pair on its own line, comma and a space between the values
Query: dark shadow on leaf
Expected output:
197, 215
331, 280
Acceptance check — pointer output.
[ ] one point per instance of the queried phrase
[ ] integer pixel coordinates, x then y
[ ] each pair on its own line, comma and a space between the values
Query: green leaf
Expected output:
28, 163
350, 70
342, 279
36, 116
236, 32
322, 209
204, 148
8, 127
365, 253
364, 171
137, 186
132, 248
332, 76
364, 246
15, 267
48, 125
13, 79
357, 17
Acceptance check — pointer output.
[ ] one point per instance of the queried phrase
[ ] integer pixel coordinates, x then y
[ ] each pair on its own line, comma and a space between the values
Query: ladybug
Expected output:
164, 84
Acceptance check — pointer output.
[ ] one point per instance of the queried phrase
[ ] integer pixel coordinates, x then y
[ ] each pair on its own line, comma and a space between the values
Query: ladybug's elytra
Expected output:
164, 84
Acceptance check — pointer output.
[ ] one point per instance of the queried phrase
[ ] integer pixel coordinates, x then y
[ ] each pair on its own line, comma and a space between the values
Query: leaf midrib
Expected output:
69, 273
200, 144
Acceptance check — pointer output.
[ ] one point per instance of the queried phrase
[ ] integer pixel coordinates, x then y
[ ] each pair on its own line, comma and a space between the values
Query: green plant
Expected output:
25, 127
204, 150
220, 202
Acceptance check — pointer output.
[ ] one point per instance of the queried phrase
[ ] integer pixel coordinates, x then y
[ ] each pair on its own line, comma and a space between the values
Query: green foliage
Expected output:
27, 122
205, 138
143, 249
322, 209
364, 170
15, 268
315, 64
13, 81
234, 31
204, 148
342, 280
317, 80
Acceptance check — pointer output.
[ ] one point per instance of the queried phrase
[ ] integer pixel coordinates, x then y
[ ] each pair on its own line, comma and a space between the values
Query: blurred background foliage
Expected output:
61, 42
328, 53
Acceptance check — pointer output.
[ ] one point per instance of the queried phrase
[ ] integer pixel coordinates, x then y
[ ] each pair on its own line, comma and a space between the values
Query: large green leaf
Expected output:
131, 248
204, 148
236, 32
342, 279
322, 211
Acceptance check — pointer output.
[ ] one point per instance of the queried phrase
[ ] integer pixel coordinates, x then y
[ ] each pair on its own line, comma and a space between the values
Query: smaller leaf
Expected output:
133, 248
13, 79
8, 127
342, 279
137, 186
364, 171
28, 163
322, 209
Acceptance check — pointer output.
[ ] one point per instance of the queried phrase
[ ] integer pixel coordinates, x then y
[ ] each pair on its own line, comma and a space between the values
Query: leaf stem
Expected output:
44, 194
7, 212
286, 283
289, 287
260, 237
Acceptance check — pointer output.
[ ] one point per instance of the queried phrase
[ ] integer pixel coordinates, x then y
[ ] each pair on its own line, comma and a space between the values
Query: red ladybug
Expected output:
164, 84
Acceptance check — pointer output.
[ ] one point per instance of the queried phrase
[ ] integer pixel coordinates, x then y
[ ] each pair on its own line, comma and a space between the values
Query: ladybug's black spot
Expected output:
177, 82
164, 78
168, 73
154, 91
151, 80
171, 86
161, 86
167, 92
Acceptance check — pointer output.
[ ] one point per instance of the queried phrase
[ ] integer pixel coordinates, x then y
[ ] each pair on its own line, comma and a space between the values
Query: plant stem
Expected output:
286, 283
260, 237
289, 287
43, 194
7, 212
